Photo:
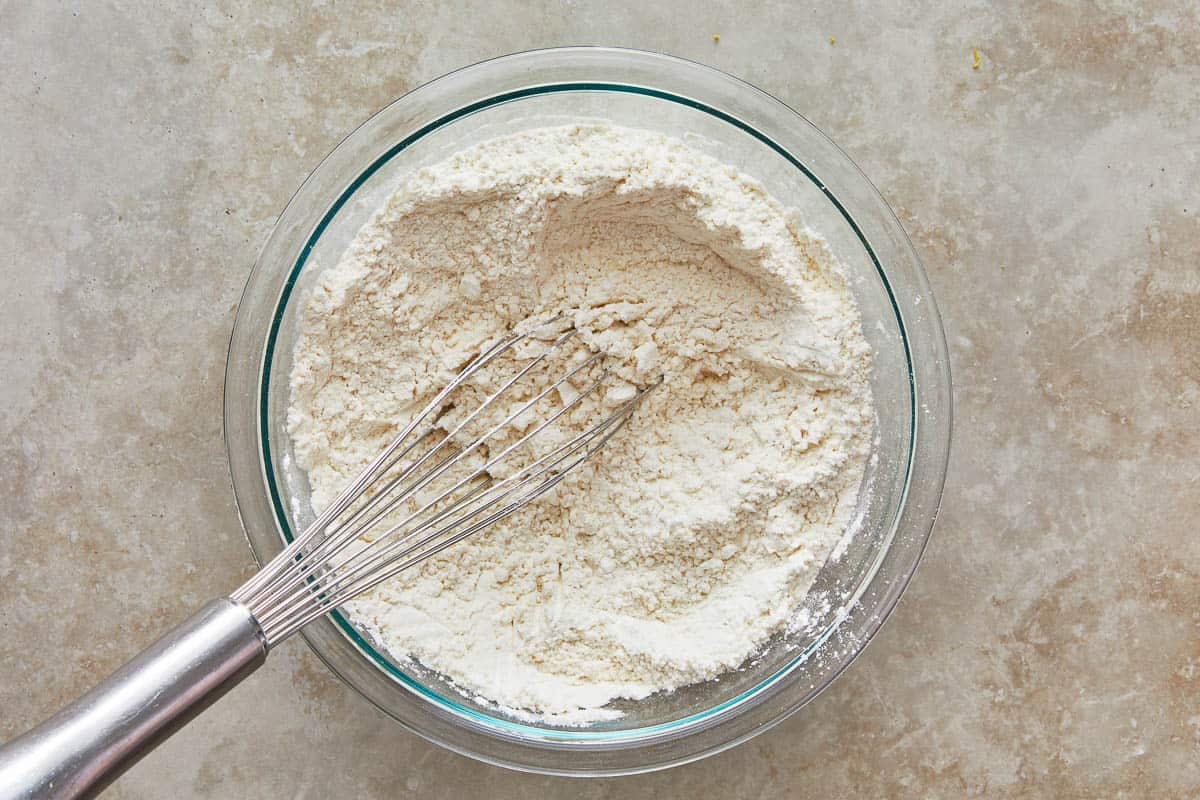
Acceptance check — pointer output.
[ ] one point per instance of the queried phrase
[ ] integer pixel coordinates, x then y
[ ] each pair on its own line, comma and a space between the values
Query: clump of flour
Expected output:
696, 533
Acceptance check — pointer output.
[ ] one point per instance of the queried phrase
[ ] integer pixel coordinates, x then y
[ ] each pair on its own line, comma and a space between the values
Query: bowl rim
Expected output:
932, 389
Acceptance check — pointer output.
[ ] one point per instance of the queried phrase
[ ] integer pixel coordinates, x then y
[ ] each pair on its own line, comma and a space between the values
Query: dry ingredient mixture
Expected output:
675, 553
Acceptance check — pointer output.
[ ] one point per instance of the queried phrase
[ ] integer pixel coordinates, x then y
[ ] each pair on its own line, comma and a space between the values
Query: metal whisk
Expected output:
476, 453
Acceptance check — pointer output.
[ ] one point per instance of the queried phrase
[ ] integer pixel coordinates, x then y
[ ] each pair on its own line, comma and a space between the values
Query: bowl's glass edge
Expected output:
930, 386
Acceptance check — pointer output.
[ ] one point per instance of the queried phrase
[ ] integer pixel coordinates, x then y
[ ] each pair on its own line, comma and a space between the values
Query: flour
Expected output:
693, 537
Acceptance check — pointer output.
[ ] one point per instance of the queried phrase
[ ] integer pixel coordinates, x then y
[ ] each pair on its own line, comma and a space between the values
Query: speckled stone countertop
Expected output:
1048, 647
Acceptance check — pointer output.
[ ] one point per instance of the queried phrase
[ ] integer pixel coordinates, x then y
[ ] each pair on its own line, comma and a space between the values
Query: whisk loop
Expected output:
430, 488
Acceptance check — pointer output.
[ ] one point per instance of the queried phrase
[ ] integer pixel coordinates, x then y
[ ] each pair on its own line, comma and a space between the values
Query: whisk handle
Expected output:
83, 747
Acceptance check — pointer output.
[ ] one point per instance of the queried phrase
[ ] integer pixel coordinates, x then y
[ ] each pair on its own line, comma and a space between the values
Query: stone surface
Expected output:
1049, 645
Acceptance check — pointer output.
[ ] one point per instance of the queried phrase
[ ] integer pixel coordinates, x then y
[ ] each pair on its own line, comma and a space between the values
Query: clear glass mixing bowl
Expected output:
803, 169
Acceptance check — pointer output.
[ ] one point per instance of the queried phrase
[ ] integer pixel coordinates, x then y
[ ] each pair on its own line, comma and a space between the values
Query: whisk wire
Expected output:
324, 595
345, 533
360, 559
386, 459
310, 576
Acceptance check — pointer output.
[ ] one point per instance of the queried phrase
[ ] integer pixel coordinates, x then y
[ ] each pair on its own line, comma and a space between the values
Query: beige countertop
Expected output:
1050, 643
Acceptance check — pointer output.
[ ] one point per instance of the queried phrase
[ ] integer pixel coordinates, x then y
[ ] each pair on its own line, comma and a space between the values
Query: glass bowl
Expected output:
801, 168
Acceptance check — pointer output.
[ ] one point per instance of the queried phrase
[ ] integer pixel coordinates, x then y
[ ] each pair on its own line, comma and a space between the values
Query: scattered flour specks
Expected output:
695, 534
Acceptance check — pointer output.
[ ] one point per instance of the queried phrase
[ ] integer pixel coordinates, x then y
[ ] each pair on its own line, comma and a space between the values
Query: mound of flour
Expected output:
695, 534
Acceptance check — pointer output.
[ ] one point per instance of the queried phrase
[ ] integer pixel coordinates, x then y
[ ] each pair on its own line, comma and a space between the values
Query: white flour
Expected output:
695, 534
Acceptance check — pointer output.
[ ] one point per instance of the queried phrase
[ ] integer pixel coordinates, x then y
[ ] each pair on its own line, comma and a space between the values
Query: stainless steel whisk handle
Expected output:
86, 745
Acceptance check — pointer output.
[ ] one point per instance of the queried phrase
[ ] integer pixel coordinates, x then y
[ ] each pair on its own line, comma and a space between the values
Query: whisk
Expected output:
476, 453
